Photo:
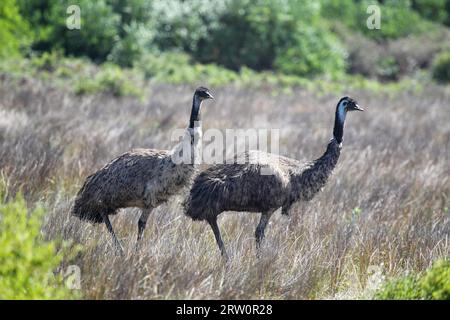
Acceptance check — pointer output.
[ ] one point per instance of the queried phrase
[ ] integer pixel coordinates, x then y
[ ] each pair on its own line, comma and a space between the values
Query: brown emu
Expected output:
143, 178
240, 186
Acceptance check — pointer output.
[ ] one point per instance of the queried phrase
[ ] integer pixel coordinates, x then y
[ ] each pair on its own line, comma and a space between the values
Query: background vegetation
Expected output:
71, 100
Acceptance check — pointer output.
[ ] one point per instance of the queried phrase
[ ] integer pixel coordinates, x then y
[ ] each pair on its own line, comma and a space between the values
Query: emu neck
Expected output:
195, 112
327, 162
338, 131
314, 176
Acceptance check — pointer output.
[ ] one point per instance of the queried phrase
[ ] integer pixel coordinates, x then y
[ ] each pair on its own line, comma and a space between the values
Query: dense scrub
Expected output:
294, 37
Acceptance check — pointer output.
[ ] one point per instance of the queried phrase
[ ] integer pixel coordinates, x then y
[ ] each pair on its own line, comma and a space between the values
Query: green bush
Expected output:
178, 68
131, 46
344, 11
185, 25
315, 52
434, 284
27, 262
38, 14
97, 35
406, 288
265, 35
397, 20
434, 10
14, 30
441, 67
110, 79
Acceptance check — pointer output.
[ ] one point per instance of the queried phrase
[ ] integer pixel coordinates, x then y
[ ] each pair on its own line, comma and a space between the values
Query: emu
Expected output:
142, 178
240, 186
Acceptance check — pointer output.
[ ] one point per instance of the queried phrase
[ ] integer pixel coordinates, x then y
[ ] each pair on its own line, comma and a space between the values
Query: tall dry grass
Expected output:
384, 212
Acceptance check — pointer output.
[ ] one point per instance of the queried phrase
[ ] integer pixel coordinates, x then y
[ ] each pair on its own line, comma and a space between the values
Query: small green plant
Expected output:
441, 67
406, 288
436, 282
27, 262
434, 285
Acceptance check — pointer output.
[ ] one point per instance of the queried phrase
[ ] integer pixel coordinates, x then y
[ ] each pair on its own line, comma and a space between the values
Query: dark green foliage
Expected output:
280, 35
295, 37
131, 46
434, 10
185, 25
38, 13
98, 32
313, 53
250, 33
441, 67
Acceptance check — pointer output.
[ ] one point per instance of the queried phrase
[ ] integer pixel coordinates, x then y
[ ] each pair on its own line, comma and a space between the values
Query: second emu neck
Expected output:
195, 112
338, 131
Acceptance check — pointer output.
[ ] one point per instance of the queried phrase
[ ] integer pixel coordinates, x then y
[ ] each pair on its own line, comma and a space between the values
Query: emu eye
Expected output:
345, 103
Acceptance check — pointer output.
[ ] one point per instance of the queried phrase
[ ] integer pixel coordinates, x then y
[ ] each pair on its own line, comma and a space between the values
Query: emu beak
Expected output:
210, 96
357, 107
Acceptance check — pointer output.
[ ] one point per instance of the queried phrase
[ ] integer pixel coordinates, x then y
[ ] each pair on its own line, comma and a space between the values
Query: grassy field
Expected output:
384, 212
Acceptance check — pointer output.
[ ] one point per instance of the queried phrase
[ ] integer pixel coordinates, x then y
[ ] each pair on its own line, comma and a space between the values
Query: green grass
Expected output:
84, 77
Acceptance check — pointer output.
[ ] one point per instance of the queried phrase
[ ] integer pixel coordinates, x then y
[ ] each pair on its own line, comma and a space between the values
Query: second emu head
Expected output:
203, 93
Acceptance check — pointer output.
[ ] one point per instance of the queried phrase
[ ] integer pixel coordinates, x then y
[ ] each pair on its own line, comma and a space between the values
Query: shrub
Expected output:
265, 35
397, 20
27, 261
14, 30
441, 67
406, 288
314, 52
110, 79
434, 284
131, 46
178, 68
185, 25
38, 14
344, 11
434, 10
97, 35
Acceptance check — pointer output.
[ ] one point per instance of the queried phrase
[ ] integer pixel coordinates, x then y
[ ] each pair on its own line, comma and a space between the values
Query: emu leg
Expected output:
111, 230
213, 223
142, 223
259, 232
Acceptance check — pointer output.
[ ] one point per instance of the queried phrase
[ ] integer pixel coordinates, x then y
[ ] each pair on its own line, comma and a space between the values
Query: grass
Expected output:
82, 77
383, 214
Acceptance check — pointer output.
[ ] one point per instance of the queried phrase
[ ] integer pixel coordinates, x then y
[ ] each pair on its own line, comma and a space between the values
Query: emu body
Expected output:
241, 186
142, 178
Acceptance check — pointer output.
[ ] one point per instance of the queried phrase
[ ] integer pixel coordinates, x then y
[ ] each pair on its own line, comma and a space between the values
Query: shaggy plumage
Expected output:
263, 182
142, 178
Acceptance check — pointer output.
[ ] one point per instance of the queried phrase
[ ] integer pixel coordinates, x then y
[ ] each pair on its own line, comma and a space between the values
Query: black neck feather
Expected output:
195, 112
338, 130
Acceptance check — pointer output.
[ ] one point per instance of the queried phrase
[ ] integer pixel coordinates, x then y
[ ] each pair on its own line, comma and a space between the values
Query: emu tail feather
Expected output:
203, 201
86, 212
